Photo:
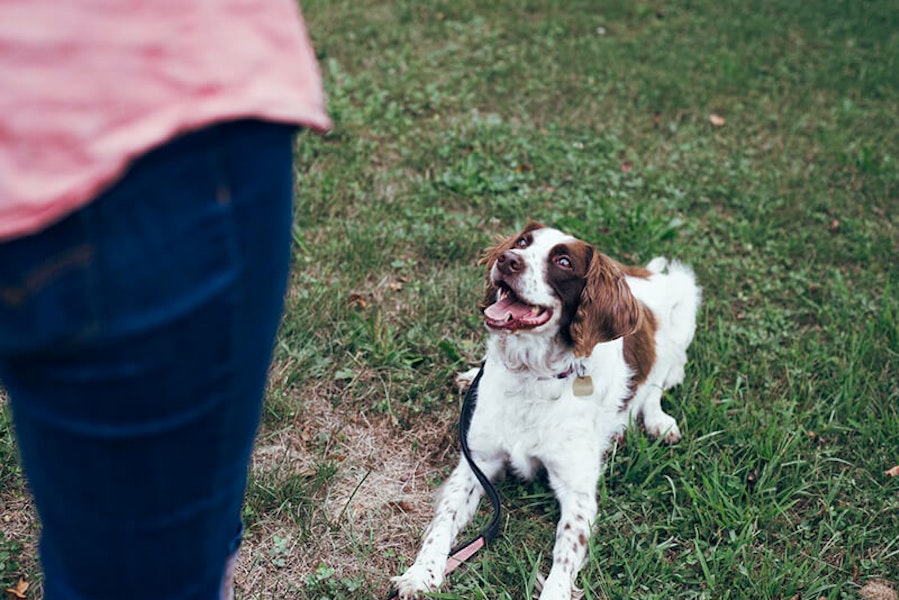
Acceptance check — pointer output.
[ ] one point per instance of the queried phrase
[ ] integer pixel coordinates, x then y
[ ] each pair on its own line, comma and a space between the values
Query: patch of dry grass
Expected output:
368, 514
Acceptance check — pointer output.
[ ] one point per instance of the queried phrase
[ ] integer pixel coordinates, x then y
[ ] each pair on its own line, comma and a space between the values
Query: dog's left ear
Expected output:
608, 309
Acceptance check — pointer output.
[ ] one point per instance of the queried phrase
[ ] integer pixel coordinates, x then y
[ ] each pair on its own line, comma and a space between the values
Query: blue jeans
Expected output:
135, 338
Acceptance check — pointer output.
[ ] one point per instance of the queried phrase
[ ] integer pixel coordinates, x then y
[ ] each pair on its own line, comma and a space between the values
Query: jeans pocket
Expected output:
46, 283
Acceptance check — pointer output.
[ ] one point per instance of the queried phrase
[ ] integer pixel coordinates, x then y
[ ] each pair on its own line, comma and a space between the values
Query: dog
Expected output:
579, 346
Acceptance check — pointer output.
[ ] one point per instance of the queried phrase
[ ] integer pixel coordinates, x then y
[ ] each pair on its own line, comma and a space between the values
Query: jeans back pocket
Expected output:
45, 289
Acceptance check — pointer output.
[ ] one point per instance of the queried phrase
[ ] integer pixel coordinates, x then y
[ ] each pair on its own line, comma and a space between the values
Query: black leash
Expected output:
466, 550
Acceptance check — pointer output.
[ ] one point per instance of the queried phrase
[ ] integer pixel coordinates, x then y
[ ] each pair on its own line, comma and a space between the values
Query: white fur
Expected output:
529, 419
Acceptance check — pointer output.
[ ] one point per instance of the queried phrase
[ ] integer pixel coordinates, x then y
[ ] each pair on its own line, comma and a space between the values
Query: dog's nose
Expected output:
509, 262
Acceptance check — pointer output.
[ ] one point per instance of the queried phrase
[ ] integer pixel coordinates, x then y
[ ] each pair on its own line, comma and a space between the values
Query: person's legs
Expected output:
135, 338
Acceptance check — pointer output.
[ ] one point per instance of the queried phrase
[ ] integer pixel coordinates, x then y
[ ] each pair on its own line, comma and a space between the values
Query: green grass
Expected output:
457, 121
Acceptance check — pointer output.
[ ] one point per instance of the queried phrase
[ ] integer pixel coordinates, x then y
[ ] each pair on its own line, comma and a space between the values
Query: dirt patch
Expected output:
878, 590
372, 510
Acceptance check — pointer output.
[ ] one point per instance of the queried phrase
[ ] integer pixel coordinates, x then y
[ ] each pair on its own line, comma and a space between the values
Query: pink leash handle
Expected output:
456, 559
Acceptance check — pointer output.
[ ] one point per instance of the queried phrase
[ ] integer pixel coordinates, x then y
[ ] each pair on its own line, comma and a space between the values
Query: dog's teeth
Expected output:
536, 310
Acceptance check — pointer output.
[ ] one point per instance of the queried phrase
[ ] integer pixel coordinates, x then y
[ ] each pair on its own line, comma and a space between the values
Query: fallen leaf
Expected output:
358, 300
834, 226
401, 506
716, 120
627, 166
894, 472
752, 477
18, 593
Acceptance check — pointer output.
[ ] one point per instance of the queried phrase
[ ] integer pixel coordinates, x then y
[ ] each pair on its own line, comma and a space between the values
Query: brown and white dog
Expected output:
579, 346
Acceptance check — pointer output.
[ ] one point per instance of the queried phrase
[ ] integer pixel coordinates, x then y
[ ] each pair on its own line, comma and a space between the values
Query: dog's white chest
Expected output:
532, 424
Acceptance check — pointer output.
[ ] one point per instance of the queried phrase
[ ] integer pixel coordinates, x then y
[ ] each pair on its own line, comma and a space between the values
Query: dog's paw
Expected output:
661, 425
556, 587
417, 580
465, 378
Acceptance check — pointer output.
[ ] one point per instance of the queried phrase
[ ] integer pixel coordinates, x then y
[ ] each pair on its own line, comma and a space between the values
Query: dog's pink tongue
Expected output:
507, 309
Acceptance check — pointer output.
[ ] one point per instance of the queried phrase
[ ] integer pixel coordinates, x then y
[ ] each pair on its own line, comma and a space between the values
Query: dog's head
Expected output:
544, 282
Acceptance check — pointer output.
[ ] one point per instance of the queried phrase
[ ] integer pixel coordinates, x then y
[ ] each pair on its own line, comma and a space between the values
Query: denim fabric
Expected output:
135, 338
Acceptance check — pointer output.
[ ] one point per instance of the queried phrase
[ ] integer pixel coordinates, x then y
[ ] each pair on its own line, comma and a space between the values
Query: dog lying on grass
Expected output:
579, 346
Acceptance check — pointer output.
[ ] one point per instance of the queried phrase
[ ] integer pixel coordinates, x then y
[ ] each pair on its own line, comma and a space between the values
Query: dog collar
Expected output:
567, 373
574, 368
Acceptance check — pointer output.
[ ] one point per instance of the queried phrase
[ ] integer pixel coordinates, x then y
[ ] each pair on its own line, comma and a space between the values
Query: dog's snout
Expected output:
509, 262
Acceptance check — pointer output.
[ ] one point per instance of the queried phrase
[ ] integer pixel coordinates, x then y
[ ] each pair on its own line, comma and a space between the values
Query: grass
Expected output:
457, 121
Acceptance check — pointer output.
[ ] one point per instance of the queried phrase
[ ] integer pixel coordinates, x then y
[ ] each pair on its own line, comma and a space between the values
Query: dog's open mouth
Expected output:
510, 312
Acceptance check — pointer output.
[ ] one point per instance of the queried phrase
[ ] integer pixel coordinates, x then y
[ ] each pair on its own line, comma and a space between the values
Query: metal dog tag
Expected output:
582, 386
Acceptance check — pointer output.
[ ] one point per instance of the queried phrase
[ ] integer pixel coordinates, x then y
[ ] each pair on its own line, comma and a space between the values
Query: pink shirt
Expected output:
87, 85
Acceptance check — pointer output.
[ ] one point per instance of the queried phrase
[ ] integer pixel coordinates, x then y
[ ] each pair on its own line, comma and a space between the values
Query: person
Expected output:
146, 182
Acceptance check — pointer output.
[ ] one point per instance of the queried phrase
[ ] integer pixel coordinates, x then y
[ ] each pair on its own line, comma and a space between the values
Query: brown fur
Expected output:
640, 347
608, 310
631, 271
569, 283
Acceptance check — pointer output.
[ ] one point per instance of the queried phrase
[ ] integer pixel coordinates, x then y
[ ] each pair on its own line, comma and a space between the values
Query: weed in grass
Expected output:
280, 494
323, 585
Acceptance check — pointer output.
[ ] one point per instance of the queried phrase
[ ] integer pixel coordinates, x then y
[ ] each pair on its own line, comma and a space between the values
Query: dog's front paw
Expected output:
661, 425
557, 586
417, 580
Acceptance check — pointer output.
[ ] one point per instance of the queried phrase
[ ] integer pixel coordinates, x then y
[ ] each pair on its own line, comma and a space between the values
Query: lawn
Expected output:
757, 141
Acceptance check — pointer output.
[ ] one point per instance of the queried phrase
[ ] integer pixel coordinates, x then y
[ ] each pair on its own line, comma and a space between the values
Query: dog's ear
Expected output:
501, 244
608, 309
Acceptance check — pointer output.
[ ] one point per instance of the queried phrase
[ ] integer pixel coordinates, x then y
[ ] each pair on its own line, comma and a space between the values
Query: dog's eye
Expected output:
563, 261
521, 242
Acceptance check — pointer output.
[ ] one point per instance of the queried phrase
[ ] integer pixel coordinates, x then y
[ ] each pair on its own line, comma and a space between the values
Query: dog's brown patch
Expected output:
608, 310
640, 347
632, 271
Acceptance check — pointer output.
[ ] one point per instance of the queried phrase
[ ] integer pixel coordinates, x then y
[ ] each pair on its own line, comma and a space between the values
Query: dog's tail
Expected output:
676, 304
680, 301
686, 297
658, 264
